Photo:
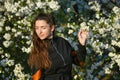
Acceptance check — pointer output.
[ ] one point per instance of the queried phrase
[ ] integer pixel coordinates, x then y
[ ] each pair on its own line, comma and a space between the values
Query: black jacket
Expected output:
62, 56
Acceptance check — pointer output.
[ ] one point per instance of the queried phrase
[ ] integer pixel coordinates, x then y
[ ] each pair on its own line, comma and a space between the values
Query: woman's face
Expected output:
43, 29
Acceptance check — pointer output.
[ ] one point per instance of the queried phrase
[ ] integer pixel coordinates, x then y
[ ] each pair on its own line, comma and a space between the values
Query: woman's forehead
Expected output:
41, 23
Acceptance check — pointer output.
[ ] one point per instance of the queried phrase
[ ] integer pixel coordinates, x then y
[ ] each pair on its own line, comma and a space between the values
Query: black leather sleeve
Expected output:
79, 55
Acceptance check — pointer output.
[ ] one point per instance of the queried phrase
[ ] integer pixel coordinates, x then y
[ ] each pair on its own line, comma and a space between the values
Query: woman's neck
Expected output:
50, 37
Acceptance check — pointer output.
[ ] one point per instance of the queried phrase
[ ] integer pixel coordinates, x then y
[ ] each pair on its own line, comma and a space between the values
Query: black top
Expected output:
61, 58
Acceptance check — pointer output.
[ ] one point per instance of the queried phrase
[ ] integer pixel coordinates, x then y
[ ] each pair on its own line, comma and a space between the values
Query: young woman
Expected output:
51, 57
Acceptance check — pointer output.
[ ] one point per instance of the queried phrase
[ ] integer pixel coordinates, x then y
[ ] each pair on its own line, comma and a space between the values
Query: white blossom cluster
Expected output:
115, 58
52, 4
19, 74
103, 29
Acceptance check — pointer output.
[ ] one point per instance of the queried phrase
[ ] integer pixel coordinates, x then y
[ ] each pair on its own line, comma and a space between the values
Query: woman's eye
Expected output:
44, 27
40, 27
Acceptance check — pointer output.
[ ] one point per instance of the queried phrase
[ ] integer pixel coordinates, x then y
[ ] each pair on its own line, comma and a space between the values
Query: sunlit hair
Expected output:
38, 57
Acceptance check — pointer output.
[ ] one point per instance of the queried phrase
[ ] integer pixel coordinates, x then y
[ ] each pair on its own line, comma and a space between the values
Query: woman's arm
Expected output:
37, 75
79, 56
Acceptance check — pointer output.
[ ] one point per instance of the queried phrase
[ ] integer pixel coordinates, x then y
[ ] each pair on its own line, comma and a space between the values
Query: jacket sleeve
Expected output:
78, 57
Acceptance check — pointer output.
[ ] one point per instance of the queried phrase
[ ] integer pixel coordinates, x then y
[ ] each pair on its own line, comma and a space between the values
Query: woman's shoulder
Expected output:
61, 40
58, 38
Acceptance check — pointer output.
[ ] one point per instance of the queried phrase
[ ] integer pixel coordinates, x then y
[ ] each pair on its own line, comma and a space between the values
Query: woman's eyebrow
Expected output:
40, 26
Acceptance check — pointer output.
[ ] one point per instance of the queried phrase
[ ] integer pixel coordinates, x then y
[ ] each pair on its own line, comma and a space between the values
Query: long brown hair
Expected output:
39, 57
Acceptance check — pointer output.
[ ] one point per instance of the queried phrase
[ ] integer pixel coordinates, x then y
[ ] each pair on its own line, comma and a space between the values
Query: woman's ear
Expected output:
52, 28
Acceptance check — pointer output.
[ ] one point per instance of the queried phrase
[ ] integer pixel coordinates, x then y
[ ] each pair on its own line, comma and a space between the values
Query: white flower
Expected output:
84, 26
95, 5
53, 5
21, 76
7, 36
101, 31
28, 1
118, 44
70, 31
107, 70
18, 72
114, 42
2, 56
118, 60
27, 37
106, 46
28, 50
107, 21
112, 64
39, 4
68, 9
111, 54
75, 77
116, 10
26, 10
14, 30
17, 34
6, 43
10, 7
7, 28
7, 55
97, 16
29, 42
23, 49
1, 50
10, 62
18, 67
28, 76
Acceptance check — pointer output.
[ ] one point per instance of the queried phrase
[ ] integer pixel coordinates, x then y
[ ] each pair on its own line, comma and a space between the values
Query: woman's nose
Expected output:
40, 30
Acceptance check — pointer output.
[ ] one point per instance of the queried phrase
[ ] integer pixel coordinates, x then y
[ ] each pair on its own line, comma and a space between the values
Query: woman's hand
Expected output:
82, 36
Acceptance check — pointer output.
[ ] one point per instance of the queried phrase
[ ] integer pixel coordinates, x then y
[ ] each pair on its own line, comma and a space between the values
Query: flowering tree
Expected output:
100, 17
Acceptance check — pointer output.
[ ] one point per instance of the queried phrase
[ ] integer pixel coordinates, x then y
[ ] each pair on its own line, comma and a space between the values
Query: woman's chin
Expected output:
42, 38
